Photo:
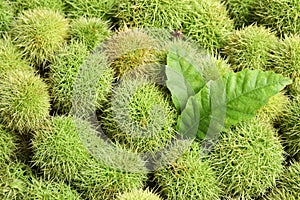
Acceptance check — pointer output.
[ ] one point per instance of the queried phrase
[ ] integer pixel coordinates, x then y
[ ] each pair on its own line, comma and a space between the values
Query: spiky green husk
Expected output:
130, 49
7, 145
294, 88
39, 33
281, 15
24, 101
21, 5
90, 31
99, 182
250, 47
64, 73
143, 14
18, 182
140, 116
286, 59
11, 57
65, 152
208, 23
288, 186
6, 16
189, 177
23, 151
138, 195
205, 21
14, 181
290, 128
89, 8
241, 11
69, 160
221, 65
104, 88
42, 189
248, 159
93, 85
274, 109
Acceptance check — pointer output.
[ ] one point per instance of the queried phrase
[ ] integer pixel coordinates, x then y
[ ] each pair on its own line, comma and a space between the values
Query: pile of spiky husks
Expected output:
69, 68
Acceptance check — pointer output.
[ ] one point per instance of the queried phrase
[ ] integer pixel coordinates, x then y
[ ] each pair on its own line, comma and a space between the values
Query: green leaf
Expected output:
210, 106
247, 91
184, 77
188, 121
233, 98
